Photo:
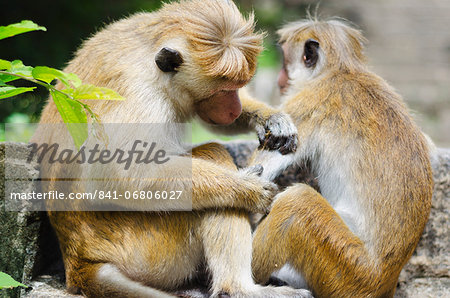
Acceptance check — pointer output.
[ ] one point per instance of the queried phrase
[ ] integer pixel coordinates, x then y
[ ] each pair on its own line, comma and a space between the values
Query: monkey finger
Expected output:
290, 146
271, 142
270, 186
276, 142
261, 133
265, 143
281, 142
262, 143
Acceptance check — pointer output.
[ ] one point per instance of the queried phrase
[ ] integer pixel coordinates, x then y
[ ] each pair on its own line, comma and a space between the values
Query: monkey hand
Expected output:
263, 191
278, 132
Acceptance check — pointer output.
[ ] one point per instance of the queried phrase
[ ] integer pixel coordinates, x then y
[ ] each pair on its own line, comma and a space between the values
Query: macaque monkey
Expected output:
371, 162
187, 59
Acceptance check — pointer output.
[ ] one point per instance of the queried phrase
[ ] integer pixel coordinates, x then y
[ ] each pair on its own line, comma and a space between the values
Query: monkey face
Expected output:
300, 62
222, 108
210, 55
215, 100
312, 48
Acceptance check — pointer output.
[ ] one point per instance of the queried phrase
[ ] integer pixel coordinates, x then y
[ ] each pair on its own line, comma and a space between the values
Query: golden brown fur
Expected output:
169, 65
142, 244
372, 165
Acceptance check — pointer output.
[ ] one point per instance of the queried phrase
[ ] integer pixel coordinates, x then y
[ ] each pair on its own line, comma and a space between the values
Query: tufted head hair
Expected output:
223, 42
341, 43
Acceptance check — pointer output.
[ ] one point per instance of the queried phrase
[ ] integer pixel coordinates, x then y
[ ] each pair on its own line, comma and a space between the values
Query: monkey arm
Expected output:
274, 128
208, 180
217, 187
211, 185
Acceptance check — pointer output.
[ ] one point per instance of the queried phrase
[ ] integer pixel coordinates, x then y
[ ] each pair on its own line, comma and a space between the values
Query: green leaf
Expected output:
7, 78
6, 281
18, 67
19, 28
92, 92
14, 67
9, 91
73, 114
5, 65
74, 79
48, 74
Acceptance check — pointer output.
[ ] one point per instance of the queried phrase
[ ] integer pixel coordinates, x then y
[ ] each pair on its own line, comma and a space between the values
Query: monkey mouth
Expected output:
211, 122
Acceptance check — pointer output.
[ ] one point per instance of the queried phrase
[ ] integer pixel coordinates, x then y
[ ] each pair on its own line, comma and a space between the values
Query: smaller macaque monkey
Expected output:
187, 59
371, 162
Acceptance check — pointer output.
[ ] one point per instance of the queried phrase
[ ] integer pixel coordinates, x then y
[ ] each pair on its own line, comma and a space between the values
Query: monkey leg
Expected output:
106, 280
129, 254
303, 231
227, 240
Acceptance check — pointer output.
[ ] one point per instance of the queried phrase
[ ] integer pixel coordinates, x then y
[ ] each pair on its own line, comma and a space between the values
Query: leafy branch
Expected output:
68, 101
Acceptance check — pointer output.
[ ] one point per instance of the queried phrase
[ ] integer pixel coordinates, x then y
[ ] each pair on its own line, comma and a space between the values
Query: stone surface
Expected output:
46, 286
28, 249
18, 230
426, 287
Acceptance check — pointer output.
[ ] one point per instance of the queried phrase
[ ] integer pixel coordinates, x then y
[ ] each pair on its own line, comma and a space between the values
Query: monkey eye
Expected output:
310, 54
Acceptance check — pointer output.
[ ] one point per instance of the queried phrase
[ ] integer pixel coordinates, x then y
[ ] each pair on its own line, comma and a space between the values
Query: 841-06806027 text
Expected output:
100, 195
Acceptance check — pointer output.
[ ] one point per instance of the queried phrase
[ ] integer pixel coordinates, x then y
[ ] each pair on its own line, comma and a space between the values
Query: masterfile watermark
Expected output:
131, 167
147, 155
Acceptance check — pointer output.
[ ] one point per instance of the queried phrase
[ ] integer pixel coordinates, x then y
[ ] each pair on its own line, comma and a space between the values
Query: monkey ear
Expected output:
311, 53
168, 60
